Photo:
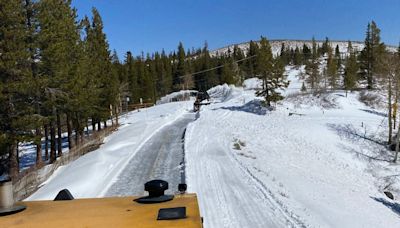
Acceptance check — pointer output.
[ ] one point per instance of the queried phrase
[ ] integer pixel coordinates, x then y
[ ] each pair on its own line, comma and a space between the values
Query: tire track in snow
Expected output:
227, 197
291, 218
159, 158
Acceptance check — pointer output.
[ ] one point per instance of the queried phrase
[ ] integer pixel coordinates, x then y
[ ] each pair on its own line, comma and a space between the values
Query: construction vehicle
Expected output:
201, 96
154, 210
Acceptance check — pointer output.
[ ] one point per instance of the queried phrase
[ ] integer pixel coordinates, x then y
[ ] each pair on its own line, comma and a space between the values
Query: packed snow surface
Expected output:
94, 173
314, 161
160, 158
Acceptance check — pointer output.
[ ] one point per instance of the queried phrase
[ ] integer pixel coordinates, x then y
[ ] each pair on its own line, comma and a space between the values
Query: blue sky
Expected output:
150, 25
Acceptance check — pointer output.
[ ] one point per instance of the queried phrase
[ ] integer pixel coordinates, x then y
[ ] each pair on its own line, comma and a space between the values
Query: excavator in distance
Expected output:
200, 97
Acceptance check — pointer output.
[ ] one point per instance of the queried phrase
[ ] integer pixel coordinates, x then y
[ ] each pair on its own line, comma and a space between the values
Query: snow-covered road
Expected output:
160, 158
92, 174
229, 195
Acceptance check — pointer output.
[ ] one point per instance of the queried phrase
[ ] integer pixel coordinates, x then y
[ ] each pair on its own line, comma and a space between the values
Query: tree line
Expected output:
374, 67
58, 74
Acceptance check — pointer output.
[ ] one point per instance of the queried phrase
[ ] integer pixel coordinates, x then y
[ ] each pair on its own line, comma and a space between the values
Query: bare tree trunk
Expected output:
397, 144
396, 100
13, 160
38, 134
99, 125
59, 134
105, 123
390, 110
116, 115
395, 116
46, 142
93, 124
75, 122
52, 141
81, 135
111, 115
76, 136
87, 128
69, 131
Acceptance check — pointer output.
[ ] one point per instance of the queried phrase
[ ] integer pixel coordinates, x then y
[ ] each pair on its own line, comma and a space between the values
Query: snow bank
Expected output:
92, 174
252, 83
223, 92
177, 96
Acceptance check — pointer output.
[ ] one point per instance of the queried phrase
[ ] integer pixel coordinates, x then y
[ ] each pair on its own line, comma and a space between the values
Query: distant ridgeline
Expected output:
276, 46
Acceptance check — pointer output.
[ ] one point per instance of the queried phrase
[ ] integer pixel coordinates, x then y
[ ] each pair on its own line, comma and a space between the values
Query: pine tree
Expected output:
99, 71
150, 82
303, 88
229, 73
325, 46
167, 73
372, 52
238, 55
251, 63
132, 78
208, 78
396, 61
85, 87
332, 70
388, 68
15, 91
306, 53
271, 71
297, 59
338, 59
314, 50
58, 39
351, 67
36, 82
312, 67
181, 68
312, 71
285, 55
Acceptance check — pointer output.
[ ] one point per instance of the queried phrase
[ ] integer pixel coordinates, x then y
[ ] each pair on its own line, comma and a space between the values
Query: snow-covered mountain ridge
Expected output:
277, 44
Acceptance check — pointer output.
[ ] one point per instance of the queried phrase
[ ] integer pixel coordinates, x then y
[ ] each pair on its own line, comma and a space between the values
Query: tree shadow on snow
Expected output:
395, 207
27, 154
375, 112
381, 155
377, 150
254, 107
349, 132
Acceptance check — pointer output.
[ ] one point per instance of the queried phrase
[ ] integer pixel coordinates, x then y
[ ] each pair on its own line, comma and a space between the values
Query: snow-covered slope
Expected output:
276, 46
311, 163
